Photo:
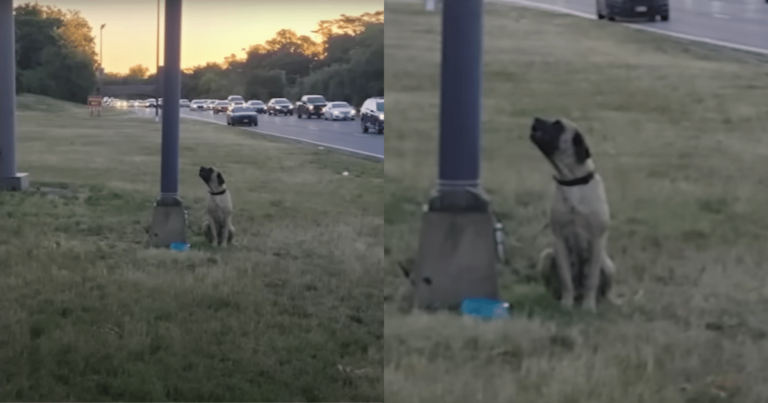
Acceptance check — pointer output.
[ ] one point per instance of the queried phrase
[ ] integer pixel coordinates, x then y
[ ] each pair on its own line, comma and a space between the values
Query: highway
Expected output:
739, 24
344, 136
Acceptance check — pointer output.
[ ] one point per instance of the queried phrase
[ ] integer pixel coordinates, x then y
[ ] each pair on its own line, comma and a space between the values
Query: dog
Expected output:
577, 268
218, 229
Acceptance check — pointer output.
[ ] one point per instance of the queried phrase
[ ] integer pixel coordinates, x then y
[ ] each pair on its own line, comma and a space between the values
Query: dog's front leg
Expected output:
564, 270
224, 239
596, 261
214, 233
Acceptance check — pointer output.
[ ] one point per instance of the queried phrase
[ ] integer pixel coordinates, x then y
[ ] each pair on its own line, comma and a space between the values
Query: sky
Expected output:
210, 29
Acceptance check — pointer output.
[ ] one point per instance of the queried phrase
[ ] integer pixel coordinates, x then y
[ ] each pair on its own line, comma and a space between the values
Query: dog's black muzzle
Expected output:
205, 173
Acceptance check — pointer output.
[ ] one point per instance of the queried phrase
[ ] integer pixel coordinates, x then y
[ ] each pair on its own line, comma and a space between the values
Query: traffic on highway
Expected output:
312, 119
738, 24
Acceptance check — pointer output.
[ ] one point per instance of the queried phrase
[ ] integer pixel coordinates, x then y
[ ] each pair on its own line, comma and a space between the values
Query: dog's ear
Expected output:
220, 178
558, 126
580, 148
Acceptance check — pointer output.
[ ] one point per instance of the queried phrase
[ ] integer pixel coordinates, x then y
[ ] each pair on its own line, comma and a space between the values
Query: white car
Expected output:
236, 103
184, 103
197, 105
338, 111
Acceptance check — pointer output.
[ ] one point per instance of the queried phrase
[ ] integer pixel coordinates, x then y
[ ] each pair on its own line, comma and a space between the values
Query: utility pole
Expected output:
9, 178
457, 249
157, 66
101, 61
169, 222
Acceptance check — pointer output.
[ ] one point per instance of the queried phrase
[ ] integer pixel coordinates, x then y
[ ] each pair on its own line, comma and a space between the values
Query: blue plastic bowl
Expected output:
485, 308
180, 246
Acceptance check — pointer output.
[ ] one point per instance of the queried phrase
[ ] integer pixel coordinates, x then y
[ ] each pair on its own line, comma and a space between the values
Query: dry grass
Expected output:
292, 312
678, 133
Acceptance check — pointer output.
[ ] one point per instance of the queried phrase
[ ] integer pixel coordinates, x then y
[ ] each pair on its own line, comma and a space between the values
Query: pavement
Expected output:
737, 24
340, 135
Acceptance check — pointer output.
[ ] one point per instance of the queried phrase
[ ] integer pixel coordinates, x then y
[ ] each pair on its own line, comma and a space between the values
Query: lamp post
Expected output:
457, 249
157, 67
169, 218
101, 56
9, 178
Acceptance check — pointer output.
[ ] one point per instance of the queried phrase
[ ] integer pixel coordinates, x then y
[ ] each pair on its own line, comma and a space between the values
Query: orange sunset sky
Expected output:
210, 29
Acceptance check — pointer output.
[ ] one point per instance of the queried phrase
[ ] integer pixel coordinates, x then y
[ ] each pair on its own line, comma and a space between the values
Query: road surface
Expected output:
740, 24
345, 136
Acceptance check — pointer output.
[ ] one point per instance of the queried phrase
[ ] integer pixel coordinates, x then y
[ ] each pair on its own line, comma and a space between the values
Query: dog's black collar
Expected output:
218, 193
576, 182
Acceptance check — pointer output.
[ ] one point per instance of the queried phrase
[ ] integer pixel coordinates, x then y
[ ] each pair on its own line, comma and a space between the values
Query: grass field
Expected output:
292, 312
678, 132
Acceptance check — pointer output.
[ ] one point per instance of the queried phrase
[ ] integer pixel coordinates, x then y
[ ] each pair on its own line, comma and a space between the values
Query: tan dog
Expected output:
577, 268
218, 228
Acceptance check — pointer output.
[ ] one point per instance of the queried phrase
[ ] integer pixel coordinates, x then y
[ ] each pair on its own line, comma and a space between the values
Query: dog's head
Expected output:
562, 144
212, 178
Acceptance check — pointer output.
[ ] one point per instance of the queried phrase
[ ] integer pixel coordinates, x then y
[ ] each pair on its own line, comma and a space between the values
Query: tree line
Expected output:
347, 63
55, 53
56, 56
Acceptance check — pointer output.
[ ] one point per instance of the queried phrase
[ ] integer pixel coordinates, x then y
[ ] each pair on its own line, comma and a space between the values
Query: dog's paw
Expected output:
589, 305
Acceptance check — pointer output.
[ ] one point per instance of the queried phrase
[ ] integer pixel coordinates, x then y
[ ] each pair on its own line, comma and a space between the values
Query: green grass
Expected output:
292, 312
677, 131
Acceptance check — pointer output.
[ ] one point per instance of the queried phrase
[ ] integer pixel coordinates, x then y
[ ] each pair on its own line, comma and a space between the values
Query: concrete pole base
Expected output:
457, 252
15, 183
169, 223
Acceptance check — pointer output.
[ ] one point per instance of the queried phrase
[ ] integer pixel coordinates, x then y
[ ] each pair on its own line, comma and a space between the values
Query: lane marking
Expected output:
563, 10
351, 150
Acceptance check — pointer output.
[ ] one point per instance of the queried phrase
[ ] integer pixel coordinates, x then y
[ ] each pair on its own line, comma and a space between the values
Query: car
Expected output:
242, 115
279, 106
209, 104
131, 104
236, 103
150, 103
220, 107
197, 105
648, 9
259, 106
311, 105
372, 115
339, 110
184, 103
235, 98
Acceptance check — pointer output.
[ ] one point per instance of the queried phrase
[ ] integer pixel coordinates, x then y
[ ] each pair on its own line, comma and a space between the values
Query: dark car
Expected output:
259, 106
220, 107
279, 106
372, 115
242, 115
647, 9
311, 105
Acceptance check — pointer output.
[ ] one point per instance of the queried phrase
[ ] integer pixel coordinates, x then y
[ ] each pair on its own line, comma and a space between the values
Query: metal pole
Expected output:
157, 65
101, 45
169, 179
457, 248
7, 91
461, 94
169, 218
101, 54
